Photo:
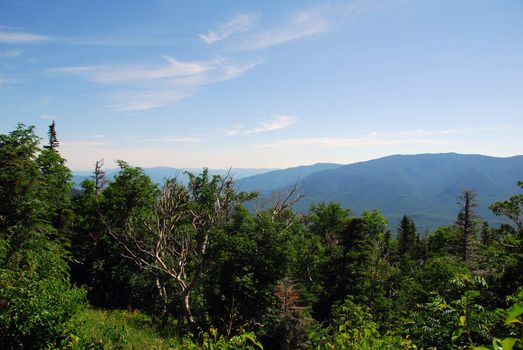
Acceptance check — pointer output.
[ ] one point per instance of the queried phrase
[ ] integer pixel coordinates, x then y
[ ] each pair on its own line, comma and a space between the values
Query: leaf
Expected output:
463, 320
508, 343
457, 333
515, 311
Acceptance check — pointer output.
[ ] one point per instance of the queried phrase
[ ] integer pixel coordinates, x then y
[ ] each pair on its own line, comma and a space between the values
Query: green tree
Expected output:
113, 281
20, 197
173, 234
407, 238
53, 140
36, 298
512, 210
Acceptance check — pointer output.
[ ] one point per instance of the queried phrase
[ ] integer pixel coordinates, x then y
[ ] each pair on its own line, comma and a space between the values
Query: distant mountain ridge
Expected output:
423, 186
273, 180
159, 174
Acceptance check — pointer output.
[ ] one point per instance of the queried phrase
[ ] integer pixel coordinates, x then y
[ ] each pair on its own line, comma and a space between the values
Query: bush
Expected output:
36, 299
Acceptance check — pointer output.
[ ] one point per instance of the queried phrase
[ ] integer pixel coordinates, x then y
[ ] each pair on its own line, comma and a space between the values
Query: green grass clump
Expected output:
117, 329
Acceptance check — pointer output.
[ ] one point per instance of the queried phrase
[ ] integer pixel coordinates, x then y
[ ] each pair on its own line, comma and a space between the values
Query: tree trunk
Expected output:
191, 320
162, 294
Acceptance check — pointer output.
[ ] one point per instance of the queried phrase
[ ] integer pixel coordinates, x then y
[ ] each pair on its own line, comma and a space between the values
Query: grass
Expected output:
120, 329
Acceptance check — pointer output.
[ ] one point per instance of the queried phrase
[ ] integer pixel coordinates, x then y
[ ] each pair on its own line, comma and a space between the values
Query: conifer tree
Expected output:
53, 140
466, 222
407, 237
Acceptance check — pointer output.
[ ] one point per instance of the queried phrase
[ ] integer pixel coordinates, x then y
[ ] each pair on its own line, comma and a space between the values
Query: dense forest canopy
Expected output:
190, 265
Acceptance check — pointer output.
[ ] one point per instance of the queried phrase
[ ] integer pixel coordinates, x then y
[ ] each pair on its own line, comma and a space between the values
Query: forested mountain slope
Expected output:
423, 186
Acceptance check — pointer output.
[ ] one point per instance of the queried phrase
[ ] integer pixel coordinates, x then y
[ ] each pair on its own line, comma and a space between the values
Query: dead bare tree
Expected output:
175, 238
279, 201
99, 177
466, 221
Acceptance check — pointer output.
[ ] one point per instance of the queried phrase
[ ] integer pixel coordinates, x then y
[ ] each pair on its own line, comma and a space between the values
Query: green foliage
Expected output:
190, 257
511, 209
36, 299
355, 328
407, 238
20, 199
457, 319
113, 280
121, 330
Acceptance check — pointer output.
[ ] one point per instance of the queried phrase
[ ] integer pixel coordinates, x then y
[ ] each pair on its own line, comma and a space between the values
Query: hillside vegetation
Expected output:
131, 264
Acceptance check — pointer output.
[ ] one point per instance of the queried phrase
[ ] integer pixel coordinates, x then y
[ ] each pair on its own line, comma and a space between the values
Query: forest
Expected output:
129, 264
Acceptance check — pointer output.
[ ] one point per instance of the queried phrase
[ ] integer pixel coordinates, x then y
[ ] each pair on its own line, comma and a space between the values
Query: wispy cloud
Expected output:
375, 138
11, 37
10, 53
239, 23
145, 87
175, 139
6, 82
317, 20
279, 122
48, 117
114, 74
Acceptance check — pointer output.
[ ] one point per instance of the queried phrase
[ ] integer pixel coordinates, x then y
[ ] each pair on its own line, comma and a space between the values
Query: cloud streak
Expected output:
143, 87
279, 122
376, 139
114, 74
239, 23
10, 53
16, 37
316, 20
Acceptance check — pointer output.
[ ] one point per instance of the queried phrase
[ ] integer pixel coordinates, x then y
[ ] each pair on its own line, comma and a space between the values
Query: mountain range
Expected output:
423, 186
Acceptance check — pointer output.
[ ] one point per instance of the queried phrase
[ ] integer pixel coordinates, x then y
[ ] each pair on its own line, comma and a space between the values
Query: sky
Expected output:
263, 84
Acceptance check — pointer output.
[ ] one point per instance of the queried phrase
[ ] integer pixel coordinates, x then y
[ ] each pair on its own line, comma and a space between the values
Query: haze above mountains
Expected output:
423, 186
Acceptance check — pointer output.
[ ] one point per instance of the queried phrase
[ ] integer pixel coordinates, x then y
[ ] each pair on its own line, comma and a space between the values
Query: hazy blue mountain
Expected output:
158, 174
423, 186
273, 180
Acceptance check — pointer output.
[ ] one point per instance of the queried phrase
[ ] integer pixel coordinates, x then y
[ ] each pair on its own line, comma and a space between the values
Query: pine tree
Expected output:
407, 237
466, 222
53, 140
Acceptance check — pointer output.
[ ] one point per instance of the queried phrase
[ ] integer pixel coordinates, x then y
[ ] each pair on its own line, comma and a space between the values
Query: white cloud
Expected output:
279, 122
11, 37
144, 87
97, 136
176, 139
301, 143
114, 74
231, 131
6, 83
375, 138
10, 53
240, 23
48, 117
307, 23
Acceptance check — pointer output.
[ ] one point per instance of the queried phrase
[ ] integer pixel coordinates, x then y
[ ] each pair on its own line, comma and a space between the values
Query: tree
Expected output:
466, 222
407, 238
511, 209
99, 177
53, 140
114, 282
173, 236
36, 298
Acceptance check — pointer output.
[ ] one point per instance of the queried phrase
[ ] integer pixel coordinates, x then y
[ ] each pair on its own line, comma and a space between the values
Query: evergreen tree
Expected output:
37, 300
466, 222
53, 140
407, 238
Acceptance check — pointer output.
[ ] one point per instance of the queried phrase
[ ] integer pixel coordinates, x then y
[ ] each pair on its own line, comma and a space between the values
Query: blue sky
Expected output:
264, 83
